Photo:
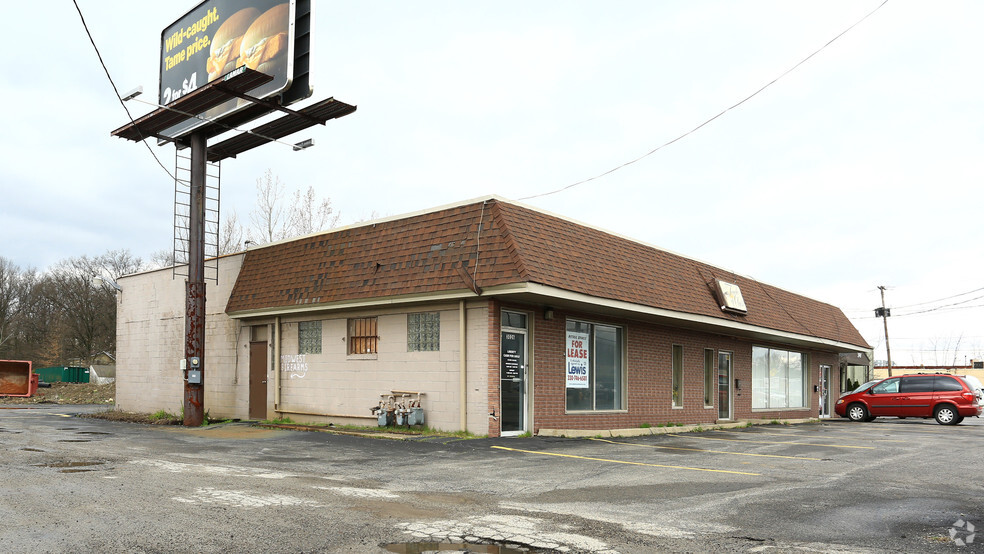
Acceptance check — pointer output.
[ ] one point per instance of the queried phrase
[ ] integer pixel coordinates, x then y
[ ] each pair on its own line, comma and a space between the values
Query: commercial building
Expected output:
501, 318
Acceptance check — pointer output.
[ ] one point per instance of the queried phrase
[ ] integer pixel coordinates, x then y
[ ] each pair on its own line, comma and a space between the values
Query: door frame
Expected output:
728, 380
258, 411
825, 397
527, 401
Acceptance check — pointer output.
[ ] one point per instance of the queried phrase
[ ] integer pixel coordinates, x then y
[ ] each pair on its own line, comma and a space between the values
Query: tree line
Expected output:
61, 316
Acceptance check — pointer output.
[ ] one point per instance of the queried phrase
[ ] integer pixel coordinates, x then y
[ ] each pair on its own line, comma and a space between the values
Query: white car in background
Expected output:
975, 384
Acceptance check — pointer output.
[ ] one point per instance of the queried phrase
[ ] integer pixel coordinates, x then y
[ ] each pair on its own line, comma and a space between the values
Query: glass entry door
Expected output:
825, 391
724, 385
512, 369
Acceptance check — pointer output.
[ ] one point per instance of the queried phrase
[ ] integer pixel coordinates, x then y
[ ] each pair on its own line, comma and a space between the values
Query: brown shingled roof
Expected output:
437, 251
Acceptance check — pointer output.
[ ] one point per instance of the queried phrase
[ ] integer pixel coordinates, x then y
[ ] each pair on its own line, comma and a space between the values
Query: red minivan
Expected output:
948, 398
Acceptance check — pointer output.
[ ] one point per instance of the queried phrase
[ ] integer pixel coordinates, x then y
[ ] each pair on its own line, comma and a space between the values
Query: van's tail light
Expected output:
970, 396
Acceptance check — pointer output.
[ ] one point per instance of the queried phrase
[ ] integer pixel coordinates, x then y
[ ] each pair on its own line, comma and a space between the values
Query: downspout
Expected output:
276, 364
462, 365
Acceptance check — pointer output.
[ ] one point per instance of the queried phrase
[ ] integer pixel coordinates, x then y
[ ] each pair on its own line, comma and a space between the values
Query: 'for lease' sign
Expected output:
577, 360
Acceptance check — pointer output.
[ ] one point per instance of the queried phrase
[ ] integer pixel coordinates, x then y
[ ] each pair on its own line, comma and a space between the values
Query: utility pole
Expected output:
194, 397
884, 313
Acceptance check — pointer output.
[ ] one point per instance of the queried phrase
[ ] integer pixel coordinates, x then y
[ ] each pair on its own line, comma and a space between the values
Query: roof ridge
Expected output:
510, 241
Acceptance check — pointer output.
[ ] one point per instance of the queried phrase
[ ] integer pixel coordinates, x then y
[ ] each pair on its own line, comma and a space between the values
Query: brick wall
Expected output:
648, 396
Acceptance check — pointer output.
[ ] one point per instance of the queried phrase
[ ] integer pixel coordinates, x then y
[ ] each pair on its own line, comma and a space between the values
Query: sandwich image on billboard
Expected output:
219, 36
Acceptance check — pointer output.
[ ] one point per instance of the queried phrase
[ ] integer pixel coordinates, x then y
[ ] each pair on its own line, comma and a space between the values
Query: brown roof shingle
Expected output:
437, 252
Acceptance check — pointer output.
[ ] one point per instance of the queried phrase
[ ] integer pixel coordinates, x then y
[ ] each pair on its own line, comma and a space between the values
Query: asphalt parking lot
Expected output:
82, 485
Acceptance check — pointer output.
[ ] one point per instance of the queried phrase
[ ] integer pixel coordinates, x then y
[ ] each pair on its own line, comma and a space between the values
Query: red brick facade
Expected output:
647, 354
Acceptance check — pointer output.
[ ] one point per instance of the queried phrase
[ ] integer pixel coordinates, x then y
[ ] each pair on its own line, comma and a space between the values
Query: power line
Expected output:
115, 90
726, 110
867, 310
942, 299
939, 309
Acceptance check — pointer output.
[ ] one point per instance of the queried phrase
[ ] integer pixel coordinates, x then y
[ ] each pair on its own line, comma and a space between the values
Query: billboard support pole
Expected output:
194, 398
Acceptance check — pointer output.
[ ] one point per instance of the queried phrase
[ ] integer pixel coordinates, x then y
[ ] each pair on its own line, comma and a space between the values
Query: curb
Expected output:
645, 431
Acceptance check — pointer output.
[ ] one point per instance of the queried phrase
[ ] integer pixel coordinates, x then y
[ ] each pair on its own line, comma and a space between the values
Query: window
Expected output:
709, 380
515, 320
594, 352
677, 355
309, 337
923, 383
362, 337
779, 378
947, 384
890, 386
424, 332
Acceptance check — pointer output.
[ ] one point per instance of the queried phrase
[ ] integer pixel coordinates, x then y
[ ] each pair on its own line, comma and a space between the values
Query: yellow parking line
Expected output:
801, 434
710, 451
622, 462
773, 442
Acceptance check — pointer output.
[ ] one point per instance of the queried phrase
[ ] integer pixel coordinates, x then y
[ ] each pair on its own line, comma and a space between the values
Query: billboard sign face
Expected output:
218, 36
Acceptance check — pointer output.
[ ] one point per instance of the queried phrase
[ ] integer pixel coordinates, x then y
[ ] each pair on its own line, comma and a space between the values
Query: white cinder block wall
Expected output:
150, 345
344, 386
150, 327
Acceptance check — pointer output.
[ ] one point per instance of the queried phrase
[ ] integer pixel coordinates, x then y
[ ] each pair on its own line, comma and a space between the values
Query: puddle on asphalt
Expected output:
72, 467
70, 464
422, 547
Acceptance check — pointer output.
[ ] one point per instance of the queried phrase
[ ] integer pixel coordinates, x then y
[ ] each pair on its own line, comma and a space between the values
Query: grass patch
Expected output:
161, 415
645, 426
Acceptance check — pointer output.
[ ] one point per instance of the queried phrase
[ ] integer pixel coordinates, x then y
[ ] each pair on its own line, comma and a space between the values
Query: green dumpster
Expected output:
63, 374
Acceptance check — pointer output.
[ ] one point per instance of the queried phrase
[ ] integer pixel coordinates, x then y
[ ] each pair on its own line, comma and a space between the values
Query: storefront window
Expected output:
677, 373
595, 372
709, 377
779, 378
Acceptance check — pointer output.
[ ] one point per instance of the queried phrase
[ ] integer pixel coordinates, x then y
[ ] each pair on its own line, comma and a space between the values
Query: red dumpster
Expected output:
17, 379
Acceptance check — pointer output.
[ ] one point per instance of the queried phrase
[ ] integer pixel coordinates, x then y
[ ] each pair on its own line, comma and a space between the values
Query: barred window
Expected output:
362, 337
424, 332
309, 337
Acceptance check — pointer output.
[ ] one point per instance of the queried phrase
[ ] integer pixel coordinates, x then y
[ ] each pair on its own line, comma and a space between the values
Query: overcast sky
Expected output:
862, 167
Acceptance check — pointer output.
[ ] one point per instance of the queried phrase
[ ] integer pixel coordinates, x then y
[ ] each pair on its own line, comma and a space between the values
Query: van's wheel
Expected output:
946, 414
857, 412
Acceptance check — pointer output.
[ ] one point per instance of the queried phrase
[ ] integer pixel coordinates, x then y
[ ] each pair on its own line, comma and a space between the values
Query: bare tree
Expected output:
36, 320
11, 292
161, 259
268, 217
309, 215
272, 220
231, 237
117, 263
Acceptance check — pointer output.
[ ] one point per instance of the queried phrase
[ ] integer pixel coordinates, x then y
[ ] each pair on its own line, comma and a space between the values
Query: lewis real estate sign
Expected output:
577, 360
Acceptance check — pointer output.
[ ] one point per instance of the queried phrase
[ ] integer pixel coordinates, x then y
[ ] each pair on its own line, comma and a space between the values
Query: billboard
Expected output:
218, 36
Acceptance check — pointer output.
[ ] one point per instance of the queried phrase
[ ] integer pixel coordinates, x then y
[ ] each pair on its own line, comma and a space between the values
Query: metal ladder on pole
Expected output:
182, 207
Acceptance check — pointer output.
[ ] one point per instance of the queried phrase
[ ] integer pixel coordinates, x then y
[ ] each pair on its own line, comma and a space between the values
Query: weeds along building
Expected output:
504, 319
